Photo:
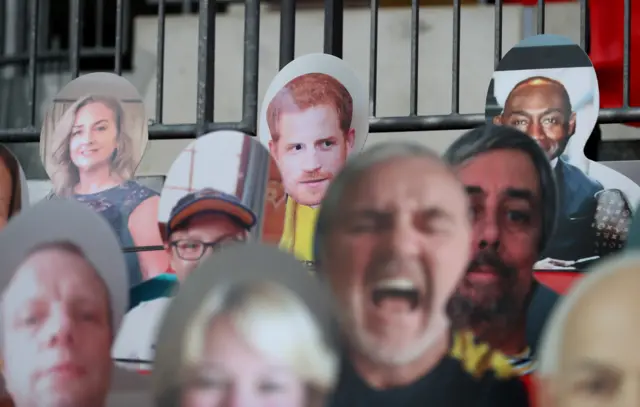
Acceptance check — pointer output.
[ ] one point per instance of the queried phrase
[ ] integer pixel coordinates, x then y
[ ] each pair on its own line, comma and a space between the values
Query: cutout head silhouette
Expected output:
215, 194
14, 194
93, 138
514, 205
588, 348
313, 116
64, 292
546, 87
250, 316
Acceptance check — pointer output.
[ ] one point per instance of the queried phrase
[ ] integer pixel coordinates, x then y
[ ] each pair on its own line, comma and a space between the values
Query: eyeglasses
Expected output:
193, 250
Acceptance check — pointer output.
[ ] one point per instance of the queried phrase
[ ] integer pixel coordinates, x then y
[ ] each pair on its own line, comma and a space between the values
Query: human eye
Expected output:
189, 245
271, 386
519, 216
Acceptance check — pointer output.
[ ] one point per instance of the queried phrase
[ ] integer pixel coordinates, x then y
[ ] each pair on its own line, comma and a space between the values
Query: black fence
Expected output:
72, 54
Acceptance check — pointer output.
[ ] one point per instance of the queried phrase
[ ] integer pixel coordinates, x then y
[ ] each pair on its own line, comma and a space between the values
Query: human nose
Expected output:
311, 160
536, 131
488, 232
58, 328
91, 136
404, 238
235, 397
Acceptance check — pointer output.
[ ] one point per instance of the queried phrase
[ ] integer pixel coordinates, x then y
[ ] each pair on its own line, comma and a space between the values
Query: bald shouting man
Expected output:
589, 354
541, 108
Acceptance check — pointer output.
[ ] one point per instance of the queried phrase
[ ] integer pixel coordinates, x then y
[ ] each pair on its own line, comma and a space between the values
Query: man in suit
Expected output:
541, 107
514, 204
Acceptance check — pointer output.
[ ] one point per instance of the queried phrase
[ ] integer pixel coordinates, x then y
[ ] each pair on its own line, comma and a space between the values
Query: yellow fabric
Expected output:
478, 358
299, 228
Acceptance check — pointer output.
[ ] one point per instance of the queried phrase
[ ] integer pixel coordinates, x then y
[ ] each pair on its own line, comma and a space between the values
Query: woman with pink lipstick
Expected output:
94, 164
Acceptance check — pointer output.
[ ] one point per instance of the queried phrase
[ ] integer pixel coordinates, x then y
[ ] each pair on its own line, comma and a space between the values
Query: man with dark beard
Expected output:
513, 196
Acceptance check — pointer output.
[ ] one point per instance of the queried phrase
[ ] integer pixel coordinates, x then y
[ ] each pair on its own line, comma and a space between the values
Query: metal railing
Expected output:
333, 44
333, 41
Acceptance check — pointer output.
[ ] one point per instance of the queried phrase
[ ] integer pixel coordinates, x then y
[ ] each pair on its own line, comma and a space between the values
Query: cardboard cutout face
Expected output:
96, 121
93, 138
216, 193
313, 116
251, 318
547, 88
394, 247
583, 344
14, 194
64, 292
513, 200
217, 189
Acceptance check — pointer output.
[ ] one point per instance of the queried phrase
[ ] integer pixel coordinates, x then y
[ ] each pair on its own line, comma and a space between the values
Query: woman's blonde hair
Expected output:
65, 174
274, 322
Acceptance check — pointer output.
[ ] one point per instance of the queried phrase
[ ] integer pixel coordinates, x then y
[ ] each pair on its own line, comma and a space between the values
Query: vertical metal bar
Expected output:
497, 33
186, 6
455, 64
125, 31
528, 18
333, 27
33, 54
415, 38
287, 32
373, 57
75, 28
251, 64
540, 16
99, 22
584, 15
119, 32
206, 63
160, 52
626, 55
3, 25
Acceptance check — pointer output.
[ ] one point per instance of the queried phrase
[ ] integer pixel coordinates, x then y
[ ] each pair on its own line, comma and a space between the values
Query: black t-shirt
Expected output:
447, 385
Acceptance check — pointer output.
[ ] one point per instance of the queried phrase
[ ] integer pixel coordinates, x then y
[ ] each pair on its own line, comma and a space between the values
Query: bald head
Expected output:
541, 107
539, 84
589, 350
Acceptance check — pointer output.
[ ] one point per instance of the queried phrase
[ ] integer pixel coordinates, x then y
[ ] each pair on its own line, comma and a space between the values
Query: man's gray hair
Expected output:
554, 330
491, 137
354, 168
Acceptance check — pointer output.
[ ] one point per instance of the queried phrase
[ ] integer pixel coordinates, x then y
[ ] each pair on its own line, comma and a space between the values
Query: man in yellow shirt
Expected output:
310, 121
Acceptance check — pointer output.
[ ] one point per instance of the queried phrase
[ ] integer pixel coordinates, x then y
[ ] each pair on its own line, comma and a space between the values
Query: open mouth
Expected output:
397, 294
